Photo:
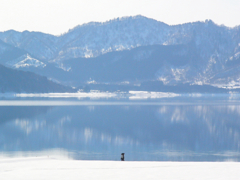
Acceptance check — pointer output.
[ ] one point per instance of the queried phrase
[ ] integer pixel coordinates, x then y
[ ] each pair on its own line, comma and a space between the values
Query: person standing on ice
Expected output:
122, 156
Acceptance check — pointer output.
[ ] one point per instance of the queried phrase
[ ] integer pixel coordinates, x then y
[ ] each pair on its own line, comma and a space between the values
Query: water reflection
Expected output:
176, 132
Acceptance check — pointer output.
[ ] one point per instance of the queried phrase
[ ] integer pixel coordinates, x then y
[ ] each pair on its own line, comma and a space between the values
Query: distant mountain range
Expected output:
130, 50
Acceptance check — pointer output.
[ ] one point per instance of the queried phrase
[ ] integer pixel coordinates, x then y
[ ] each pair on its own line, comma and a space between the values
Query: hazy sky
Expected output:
57, 16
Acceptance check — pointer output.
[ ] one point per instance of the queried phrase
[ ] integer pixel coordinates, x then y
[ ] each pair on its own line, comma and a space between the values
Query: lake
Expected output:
186, 128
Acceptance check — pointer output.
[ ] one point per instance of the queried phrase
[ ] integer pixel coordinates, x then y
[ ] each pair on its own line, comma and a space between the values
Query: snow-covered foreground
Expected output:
48, 168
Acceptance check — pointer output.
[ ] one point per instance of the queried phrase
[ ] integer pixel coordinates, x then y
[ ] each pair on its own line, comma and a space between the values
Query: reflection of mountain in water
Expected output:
136, 130
20, 112
201, 128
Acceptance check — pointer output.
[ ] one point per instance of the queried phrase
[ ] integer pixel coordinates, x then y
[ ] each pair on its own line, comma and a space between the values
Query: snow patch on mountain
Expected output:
172, 74
237, 55
64, 67
230, 85
25, 61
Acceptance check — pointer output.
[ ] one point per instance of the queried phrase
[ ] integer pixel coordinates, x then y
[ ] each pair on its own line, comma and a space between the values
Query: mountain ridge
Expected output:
60, 47
216, 47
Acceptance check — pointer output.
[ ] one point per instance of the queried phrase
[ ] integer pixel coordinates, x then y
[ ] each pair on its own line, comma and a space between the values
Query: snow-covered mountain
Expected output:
94, 39
213, 50
25, 61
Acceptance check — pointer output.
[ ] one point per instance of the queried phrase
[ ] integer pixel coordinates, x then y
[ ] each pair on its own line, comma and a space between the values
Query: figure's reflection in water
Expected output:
142, 132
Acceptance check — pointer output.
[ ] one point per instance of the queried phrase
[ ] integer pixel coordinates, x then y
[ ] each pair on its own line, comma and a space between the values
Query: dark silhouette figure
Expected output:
122, 156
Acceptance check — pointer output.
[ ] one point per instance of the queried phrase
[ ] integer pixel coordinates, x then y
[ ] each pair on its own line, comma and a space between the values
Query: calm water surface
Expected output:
184, 129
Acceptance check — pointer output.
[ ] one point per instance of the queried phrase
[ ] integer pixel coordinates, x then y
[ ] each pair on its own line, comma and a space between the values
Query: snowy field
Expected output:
39, 168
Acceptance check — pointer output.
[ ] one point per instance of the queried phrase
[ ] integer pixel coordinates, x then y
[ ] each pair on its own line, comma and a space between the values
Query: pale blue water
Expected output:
177, 129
